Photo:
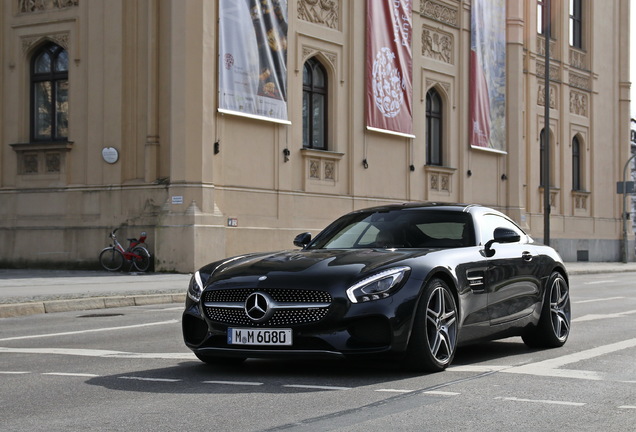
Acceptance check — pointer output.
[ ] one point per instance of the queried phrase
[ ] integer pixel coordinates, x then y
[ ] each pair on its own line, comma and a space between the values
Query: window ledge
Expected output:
43, 146
323, 154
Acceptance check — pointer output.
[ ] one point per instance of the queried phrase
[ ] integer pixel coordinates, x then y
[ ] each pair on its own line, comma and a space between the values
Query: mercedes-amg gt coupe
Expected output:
408, 282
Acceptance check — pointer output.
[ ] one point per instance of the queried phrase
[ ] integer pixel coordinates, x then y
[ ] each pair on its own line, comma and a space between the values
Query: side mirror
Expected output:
501, 235
302, 240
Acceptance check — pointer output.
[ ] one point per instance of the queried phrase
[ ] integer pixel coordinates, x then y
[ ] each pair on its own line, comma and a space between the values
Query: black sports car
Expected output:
409, 281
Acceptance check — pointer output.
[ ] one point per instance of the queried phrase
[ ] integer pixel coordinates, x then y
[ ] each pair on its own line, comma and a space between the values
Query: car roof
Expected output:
426, 206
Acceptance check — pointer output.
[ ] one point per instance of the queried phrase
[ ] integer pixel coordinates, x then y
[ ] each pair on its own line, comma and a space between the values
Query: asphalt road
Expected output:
124, 369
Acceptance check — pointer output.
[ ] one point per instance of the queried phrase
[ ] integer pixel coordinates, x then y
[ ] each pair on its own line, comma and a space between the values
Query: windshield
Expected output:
403, 228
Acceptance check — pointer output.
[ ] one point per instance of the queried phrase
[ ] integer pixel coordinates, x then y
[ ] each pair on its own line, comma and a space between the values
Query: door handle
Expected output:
527, 256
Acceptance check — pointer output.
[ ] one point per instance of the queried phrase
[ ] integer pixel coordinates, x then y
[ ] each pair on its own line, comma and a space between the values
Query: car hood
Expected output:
311, 269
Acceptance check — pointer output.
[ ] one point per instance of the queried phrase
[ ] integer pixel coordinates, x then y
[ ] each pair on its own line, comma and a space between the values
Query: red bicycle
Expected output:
113, 257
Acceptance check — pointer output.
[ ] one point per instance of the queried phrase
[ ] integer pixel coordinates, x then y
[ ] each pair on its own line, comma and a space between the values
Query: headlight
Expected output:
196, 287
378, 286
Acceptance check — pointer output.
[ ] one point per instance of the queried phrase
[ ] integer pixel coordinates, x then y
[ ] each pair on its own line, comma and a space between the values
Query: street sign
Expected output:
625, 187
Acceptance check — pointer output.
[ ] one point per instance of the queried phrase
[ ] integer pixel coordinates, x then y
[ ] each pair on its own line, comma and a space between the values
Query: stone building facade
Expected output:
137, 142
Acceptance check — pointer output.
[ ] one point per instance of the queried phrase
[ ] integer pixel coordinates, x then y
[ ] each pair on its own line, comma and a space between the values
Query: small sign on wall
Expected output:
177, 199
110, 155
232, 222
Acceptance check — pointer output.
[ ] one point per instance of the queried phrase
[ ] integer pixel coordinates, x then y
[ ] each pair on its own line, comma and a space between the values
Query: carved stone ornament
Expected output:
62, 39
541, 96
578, 59
439, 12
580, 81
322, 12
578, 103
437, 45
27, 6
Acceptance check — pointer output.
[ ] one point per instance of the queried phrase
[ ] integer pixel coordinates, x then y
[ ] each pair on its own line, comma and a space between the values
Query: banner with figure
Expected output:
389, 67
487, 108
253, 58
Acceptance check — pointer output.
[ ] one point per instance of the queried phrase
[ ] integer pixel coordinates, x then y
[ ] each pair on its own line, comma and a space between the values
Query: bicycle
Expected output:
113, 257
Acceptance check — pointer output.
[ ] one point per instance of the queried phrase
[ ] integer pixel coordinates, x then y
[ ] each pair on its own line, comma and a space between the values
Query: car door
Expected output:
512, 278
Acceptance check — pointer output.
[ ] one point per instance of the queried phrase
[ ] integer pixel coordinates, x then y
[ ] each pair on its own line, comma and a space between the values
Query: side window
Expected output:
490, 222
314, 105
49, 94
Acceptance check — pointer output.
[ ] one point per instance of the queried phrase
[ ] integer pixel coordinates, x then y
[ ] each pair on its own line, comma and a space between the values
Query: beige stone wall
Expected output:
143, 80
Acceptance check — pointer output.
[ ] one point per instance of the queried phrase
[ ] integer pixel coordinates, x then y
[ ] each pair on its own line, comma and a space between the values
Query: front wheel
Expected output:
111, 259
553, 328
142, 262
434, 337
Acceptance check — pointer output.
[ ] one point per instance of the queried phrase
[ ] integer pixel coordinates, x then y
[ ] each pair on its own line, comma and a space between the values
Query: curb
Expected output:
51, 306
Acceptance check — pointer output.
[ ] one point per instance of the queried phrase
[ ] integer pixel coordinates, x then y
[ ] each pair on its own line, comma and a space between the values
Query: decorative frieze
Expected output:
554, 71
439, 12
579, 103
541, 48
28, 6
322, 12
541, 96
580, 81
321, 166
437, 45
578, 59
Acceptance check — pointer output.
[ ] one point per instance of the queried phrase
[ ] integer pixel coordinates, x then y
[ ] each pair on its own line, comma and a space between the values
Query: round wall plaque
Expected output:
110, 154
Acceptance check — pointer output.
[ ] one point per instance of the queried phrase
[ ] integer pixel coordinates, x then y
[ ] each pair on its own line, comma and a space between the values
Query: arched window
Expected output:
49, 94
576, 24
314, 105
576, 164
433, 128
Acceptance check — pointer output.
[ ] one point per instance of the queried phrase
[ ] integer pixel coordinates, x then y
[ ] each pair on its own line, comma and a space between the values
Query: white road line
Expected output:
14, 372
594, 317
316, 387
442, 393
99, 353
551, 367
90, 331
551, 402
149, 379
599, 282
627, 407
478, 368
237, 383
85, 375
393, 391
598, 300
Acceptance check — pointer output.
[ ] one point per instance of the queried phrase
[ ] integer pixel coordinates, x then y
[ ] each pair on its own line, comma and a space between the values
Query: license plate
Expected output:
269, 337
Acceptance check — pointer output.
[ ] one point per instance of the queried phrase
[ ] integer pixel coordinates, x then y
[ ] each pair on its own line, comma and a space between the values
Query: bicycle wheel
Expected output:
111, 259
143, 262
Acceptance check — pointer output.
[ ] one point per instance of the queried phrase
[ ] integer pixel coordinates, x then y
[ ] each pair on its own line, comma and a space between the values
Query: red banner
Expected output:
389, 67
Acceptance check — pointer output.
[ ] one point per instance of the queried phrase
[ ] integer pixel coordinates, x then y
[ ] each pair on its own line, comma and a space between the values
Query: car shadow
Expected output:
261, 376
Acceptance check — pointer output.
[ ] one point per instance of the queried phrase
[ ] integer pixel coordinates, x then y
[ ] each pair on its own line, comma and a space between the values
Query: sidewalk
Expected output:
27, 292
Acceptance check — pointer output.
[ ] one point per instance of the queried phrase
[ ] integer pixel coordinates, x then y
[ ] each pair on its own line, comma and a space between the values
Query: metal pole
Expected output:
546, 127
624, 245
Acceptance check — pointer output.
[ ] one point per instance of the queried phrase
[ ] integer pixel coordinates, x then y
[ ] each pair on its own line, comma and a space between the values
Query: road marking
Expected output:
85, 375
478, 368
100, 353
14, 372
627, 407
598, 300
551, 367
442, 393
149, 379
594, 317
238, 383
90, 331
393, 391
599, 282
551, 402
316, 387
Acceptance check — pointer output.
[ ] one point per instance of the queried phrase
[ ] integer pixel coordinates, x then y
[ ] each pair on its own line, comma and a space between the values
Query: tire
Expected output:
220, 361
143, 263
433, 340
111, 259
553, 327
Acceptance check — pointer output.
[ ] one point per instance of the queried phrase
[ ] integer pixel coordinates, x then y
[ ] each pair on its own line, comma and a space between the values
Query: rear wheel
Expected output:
553, 328
143, 262
111, 259
434, 338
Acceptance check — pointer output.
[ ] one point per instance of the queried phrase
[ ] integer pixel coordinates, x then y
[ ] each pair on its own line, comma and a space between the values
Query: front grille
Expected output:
300, 307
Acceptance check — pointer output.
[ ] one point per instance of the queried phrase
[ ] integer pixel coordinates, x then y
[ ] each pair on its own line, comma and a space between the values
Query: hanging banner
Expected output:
389, 67
488, 75
253, 58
